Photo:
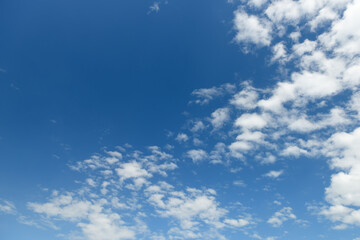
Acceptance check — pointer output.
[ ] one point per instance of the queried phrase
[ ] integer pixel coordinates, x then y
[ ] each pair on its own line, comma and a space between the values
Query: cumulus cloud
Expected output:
191, 208
281, 216
219, 117
198, 126
251, 29
343, 194
182, 137
274, 174
197, 155
237, 222
205, 95
98, 211
251, 121
246, 98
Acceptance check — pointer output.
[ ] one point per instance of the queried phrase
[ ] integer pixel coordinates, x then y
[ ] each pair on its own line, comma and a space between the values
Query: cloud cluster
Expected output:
313, 111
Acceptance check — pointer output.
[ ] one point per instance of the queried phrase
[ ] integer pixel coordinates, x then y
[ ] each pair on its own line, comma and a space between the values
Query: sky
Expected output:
180, 119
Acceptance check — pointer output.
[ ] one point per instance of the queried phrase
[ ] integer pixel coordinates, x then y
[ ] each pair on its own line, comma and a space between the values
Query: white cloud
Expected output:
279, 53
251, 29
246, 98
205, 95
7, 207
251, 121
239, 183
198, 126
105, 227
191, 208
255, 136
237, 222
131, 170
256, 3
240, 146
98, 226
114, 154
274, 174
182, 137
281, 216
65, 207
155, 7
197, 155
305, 47
219, 117
293, 151
343, 194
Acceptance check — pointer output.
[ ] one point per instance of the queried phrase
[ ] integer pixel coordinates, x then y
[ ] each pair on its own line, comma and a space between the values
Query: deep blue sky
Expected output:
105, 70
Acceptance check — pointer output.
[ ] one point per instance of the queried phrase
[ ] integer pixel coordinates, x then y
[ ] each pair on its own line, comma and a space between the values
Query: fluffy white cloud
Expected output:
274, 174
251, 121
251, 29
246, 98
191, 208
89, 216
198, 126
237, 222
65, 207
343, 193
105, 227
219, 117
131, 170
197, 155
281, 216
182, 137
205, 95
293, 151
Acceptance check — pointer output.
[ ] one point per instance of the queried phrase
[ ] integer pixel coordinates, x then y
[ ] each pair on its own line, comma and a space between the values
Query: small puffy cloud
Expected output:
293, 151
205, 95
251, 121
305, 47
303, 125
246, 98
114, 154
95, 224
197, 155
274, 174
240, 146
103, 226
198, 126
182, 137
190, 208
132, 170
251, 29
219, 117
237, 222
279, 53
65, 207
239, 183
251, 136
281, 216
90, 182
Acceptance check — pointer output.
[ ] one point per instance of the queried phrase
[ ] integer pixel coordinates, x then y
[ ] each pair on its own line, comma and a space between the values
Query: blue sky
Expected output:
180, 119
